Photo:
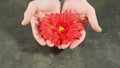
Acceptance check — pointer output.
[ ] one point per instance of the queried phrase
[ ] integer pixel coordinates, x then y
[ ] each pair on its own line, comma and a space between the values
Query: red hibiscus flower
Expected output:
61, 28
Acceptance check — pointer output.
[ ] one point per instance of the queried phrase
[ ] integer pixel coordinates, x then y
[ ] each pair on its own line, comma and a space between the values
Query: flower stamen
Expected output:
61, 28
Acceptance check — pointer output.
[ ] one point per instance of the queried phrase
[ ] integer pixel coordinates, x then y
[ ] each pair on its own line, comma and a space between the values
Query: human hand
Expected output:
85, 12
36, 10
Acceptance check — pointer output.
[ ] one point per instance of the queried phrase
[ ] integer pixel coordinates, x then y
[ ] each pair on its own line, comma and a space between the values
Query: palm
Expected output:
84, 10
37, 9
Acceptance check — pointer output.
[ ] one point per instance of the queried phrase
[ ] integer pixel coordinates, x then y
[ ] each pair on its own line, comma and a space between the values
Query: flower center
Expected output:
61, 28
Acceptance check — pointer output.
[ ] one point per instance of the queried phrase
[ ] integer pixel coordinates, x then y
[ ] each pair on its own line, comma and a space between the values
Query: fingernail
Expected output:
99, 29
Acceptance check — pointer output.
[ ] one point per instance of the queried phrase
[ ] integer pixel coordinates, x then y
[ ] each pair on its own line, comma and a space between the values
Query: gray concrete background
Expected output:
18, 49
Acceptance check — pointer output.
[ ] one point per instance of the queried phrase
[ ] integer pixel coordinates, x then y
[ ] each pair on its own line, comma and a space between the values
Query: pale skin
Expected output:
37, 8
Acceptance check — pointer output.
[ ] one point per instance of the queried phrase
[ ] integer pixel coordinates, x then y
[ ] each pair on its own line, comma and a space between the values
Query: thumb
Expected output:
93, 21
31, 9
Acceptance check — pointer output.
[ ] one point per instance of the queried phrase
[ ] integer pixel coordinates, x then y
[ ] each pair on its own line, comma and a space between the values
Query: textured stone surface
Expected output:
18, 49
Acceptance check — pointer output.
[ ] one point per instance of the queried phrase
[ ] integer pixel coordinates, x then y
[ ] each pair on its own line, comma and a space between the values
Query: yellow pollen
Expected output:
61, 28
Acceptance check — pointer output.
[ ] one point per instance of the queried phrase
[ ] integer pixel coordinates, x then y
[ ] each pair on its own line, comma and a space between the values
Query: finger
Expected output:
64, 46
59, 47
36, 35
49, 43
31, 9
65, 7
83, 17
43, 14
75, 43
93, 21
58, 8
84, 20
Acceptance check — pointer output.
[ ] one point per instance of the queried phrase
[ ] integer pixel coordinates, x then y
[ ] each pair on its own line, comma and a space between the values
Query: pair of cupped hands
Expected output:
38, 8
